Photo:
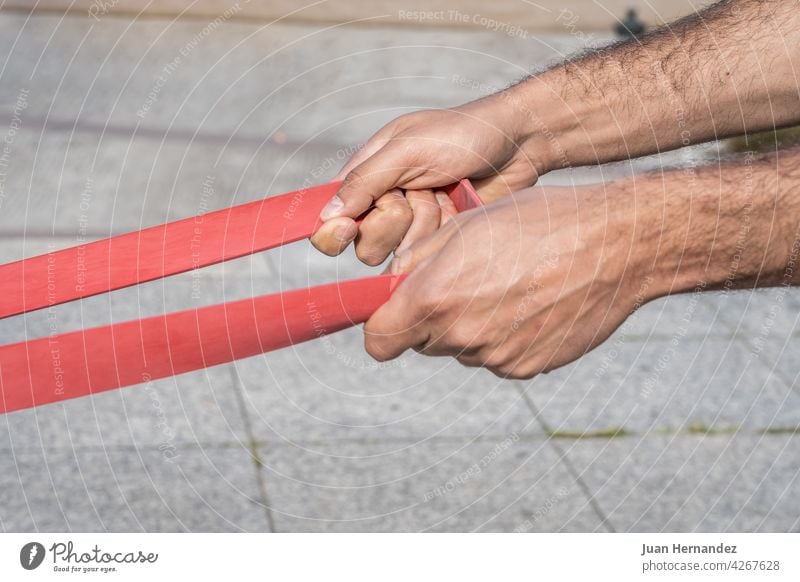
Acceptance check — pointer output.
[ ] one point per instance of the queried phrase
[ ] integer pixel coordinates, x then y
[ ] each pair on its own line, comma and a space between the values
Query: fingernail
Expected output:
332, 209
442, 199
344, 233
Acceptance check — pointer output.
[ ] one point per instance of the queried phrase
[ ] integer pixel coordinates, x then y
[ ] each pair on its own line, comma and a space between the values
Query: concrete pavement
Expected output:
685, 420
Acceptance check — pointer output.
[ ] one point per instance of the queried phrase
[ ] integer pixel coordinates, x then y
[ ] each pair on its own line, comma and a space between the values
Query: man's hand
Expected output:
534, 281
419, 153
522, 286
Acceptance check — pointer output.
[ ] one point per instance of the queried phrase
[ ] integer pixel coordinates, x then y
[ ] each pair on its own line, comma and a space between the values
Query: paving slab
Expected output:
778, 354
682, 384
696, 315
253, 79
713, 483
770, 322
96, 185
331, 389
504, 483
146, 489
198, 407
185, 410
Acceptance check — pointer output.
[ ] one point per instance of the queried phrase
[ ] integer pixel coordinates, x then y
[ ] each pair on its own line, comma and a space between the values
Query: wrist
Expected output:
629, 220
542, 123
524, 114
562, 122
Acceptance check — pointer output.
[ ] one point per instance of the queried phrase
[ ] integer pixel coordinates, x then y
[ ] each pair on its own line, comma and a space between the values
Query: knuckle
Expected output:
501, 369
525, 373
375, 349
325, 246
352, 181
397, 209
424, 205
497, 361
513, 369
370, 256
417, 195
430, 302
461, 336
410, 119
498, 371
469, 361
493, 359
421, 199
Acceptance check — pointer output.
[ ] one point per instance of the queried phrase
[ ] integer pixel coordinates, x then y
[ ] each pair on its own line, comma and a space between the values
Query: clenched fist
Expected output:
401, 167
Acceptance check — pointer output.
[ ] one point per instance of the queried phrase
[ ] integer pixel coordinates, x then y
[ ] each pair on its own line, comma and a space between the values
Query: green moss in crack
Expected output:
791, 430
700, 428
253, 448
607, 433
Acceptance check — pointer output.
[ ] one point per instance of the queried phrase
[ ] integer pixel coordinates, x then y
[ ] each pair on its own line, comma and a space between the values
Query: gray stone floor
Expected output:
687, 419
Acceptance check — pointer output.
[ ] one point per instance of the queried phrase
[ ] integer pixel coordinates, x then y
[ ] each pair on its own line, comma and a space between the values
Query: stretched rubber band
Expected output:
133, 352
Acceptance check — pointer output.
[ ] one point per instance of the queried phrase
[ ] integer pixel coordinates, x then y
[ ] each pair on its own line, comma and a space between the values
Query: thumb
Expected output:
367, 182
372, 147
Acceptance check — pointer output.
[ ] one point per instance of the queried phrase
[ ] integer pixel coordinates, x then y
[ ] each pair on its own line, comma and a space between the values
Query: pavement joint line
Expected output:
710, 432
253, 447
563, 458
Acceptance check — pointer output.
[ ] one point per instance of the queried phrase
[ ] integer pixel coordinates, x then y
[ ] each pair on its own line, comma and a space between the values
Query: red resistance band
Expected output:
123, 354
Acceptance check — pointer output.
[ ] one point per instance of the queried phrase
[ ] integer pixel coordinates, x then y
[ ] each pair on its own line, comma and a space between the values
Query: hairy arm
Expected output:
733, 226
731, 69
536, 280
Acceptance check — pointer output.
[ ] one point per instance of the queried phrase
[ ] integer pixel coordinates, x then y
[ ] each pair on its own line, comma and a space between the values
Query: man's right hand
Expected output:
401, 167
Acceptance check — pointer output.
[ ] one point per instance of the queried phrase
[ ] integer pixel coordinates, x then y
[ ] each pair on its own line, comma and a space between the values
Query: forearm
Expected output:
721, 227
730, 69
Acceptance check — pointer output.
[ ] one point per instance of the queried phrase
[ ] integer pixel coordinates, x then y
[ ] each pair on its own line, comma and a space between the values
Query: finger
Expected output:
471, 359
366, 183
383, 228
399, 324
500, 185
447, 208
426, 216
334, 236
408, 259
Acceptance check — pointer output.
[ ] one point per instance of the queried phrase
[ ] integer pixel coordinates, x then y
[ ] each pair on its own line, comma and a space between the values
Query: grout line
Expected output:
254, 447
562, 454
785, 431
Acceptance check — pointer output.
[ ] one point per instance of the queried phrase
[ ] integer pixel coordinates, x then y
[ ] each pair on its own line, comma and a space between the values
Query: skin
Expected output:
542, 275
538, 279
